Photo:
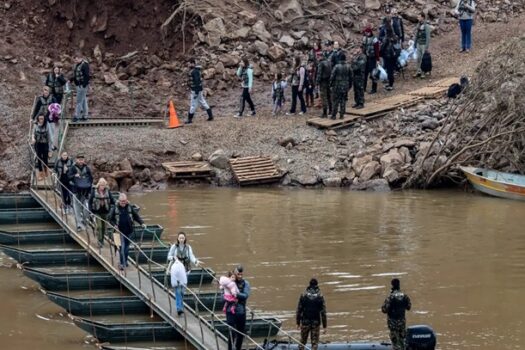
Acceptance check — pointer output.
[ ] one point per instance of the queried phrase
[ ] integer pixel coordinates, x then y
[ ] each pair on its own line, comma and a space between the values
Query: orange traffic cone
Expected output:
174, 120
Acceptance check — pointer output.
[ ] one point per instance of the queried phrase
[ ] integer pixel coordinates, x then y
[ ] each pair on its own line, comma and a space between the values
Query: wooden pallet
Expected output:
445, 82
254, 170
188, 170
115, 122
327, 123
371, 110
400, 101
429, 92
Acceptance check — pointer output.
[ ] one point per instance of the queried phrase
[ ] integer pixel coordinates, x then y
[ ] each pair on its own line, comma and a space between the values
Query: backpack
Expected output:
426, 62
454, 90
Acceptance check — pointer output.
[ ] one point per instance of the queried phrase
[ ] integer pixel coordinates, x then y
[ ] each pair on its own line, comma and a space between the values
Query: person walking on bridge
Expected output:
311, 312
395, 306
81, 178
179, 281
183, 252
62, 166
100, 203
41, 140
236, 318
122, 216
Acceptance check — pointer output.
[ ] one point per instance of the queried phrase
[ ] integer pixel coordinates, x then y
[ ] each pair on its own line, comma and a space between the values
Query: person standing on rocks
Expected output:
62, 166
465, 11
388, 52
340, 83
324, 72
122, 216
100, 203
310, 314
81, 178
41, 140
358, 72
197, 97
422, 41
298, 78
236, 318
55, 81
245, 72
371, 50
395, 306
81, 79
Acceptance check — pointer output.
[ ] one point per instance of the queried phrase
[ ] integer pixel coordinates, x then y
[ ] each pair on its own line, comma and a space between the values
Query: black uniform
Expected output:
395, 306
340, 83
311, 312
324, 72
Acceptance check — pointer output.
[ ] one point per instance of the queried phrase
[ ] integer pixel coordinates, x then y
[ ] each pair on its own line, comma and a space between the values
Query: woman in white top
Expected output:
182, 251
465, 10
179, 281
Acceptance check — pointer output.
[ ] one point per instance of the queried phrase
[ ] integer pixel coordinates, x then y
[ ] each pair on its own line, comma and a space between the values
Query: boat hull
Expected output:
17, 200
26, 215
487, 181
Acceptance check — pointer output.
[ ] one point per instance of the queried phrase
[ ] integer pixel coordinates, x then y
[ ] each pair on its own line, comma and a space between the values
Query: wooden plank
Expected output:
248, 158
256, 167
445, 82
189, 170
261, 178
259, 165
249, 161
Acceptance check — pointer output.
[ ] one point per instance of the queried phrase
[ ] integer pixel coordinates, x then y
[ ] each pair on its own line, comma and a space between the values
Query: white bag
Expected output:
414, 56
382, 73
403, 58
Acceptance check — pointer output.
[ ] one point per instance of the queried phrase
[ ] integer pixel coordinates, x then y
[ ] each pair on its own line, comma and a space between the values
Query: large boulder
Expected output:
287, 40
372, 4
248, 17
290, 9
276, 52
370, 170
218, 159
261, 47
215, 26
259, 30
332, 182
305, 179
229, 60
393, 159
358, 163
241, 33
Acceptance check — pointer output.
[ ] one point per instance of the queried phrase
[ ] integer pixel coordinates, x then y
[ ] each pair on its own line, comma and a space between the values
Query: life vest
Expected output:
244, 77
369, 46
398, 305
61, 164
421, 35
183, 256
79, 74
44, 103
117, 213
82, 182
278, 91
41, 134
56, 87
101, 201
195, 79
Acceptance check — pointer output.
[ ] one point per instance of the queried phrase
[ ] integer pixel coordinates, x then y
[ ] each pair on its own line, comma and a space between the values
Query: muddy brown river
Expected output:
460, 257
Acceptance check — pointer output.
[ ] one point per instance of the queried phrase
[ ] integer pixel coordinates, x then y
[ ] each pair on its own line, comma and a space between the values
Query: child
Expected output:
179, 280
278, 86
310, 78
228, 285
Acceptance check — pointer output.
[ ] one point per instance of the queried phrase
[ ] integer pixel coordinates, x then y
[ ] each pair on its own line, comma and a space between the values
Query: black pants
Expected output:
238, 322
370, 66
42, 152
390, 67
64, 190
58, 98
245, 97
297, 94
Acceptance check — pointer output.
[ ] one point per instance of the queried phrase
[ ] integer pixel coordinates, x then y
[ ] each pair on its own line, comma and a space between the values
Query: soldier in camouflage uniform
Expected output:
340, 83
358, 70
311, 311
324, 70
395, 306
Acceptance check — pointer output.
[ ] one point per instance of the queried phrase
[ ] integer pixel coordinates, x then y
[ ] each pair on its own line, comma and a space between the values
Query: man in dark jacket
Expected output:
395, 306
81, 180
324, 71
358, 71
122, 216
340, 83
311, 312
62, 166
236, 318
197, 97
81, 80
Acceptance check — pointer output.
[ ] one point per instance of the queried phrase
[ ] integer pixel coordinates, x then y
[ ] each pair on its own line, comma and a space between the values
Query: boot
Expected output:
190, 119
374, 88
210, 114
324, 115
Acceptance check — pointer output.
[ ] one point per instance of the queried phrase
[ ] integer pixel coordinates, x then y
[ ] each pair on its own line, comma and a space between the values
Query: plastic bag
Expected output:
414, 56
382, 73
411, 48
402, 60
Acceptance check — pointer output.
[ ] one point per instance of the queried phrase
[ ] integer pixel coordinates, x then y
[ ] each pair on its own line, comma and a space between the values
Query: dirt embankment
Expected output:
138, 65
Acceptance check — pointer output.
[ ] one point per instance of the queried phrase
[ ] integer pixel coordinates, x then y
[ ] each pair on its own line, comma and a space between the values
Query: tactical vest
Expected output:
312, 306
79, 74
82, 172
278, 90
101, 200
421, 36
195, 80
368, 46
397, 306
41, 134
183, 256
60, 166
55, 85
44, 103
244, 77
342, 75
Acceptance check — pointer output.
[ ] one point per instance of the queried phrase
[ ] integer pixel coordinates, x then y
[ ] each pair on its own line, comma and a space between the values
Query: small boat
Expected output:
60, 236
496, 183
152, 331
17, 200
25, 215
57, 280
129, 304
61, 255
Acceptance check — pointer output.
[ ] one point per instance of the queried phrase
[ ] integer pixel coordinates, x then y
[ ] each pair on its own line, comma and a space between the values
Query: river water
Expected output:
460, 257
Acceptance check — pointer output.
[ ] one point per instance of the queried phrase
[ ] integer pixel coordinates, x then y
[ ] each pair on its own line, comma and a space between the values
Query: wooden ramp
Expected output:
254, 170
445, 82
430, 92
327, 123
188, 170
115, 122
400, 101
371, 110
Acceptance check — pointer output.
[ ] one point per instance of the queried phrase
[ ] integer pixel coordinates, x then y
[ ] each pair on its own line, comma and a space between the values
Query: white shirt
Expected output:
178, 274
